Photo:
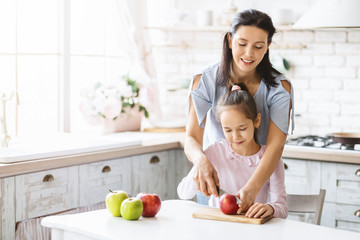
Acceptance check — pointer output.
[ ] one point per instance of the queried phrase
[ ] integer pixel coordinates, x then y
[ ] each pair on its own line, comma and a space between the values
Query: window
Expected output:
49, 51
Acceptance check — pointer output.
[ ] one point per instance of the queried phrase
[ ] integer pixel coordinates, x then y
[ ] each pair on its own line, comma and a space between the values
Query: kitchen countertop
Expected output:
322, 154
152, 142
174, 221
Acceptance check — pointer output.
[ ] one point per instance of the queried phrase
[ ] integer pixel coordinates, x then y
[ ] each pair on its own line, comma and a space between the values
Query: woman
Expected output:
245, 59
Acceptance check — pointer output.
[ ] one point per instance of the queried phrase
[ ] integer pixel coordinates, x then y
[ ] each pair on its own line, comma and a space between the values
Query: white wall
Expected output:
325, 68
326, 79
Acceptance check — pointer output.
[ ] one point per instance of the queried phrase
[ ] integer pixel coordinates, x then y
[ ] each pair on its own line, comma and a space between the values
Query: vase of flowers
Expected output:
115, 105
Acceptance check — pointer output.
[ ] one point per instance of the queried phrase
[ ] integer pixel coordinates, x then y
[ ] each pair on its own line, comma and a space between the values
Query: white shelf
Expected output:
205, 28
189, 28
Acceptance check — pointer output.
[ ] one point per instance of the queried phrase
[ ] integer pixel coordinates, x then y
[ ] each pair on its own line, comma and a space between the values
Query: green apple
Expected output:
113, 201
132, 208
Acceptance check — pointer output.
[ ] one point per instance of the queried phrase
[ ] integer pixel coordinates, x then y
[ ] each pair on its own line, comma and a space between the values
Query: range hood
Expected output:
331, 14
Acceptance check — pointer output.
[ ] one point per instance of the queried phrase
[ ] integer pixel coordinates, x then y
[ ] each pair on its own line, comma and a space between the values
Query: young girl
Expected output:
236, 157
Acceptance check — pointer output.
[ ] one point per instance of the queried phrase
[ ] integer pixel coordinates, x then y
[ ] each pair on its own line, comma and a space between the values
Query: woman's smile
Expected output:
247, 62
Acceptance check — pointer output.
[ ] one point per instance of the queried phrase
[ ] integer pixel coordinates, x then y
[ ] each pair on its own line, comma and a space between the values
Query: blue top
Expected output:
272, 103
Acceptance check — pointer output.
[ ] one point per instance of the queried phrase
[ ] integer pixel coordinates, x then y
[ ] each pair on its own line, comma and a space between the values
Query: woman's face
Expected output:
239, 130
248, 45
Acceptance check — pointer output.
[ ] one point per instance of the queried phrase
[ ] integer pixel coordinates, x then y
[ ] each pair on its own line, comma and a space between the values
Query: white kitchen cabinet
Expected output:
157, 172
46, 192
342, 202
95, 179
302, 176
182, 168
1, 204
153, 173
7, 213
341, 182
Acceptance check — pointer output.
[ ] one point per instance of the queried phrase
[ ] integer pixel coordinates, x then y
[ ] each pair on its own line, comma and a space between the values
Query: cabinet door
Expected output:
1, 207
46, 192
342, 182
153, 173
342, 201
182, 168
302, 176
7, 203
97, 178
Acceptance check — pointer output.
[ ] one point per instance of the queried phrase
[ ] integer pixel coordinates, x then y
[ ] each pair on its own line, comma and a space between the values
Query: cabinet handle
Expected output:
154, 159
357, 173
286, 166
357, 213
48, 178
106, 169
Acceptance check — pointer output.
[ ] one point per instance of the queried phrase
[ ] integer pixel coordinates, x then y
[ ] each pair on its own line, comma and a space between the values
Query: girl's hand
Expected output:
247, 197
259, 210
206, 178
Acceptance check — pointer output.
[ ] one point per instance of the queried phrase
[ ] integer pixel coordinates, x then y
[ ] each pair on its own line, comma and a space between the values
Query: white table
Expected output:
174, 221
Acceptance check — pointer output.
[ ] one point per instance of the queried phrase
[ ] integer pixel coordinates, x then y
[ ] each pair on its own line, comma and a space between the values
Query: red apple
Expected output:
228, 204
151, 203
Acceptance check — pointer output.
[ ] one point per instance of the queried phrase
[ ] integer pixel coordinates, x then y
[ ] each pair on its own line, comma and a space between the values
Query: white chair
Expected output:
311, 203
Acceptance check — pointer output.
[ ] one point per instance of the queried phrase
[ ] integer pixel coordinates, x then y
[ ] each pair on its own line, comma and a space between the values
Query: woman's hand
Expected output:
259, 210
206, 178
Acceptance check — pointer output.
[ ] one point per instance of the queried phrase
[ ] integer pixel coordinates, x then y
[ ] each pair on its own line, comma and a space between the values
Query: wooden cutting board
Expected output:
216, 214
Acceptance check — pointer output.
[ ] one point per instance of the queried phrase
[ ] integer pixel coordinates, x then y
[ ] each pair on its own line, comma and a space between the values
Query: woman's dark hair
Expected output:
258, 19
241, 100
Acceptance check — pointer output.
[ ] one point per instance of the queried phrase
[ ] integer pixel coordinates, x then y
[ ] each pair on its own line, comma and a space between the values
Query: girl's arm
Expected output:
205, 176
274, 148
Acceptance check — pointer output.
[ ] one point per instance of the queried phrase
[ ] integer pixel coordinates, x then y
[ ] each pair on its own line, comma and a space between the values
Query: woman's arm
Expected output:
205, 176
277, 194
274, 147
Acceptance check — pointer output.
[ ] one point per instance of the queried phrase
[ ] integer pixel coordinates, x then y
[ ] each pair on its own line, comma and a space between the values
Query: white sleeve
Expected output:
187, 188
214, 201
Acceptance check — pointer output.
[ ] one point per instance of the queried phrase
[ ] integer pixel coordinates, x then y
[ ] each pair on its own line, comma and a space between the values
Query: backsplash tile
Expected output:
325, 73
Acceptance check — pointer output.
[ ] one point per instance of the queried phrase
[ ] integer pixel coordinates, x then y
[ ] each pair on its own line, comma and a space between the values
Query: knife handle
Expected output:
218, 190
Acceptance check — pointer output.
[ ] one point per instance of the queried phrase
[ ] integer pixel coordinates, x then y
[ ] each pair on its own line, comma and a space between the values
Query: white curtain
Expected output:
133, 14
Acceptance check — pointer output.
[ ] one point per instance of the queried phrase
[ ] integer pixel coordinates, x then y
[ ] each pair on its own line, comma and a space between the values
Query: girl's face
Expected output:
248, 46
239, 130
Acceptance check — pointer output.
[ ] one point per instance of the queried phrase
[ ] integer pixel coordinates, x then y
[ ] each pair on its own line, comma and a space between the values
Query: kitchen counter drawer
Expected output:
342, 182
153, 173
348, 213
302, 176
343, 216
97, 178
46, 192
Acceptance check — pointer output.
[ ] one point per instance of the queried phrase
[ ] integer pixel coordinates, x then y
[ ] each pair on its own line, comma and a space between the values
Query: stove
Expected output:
320, 142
